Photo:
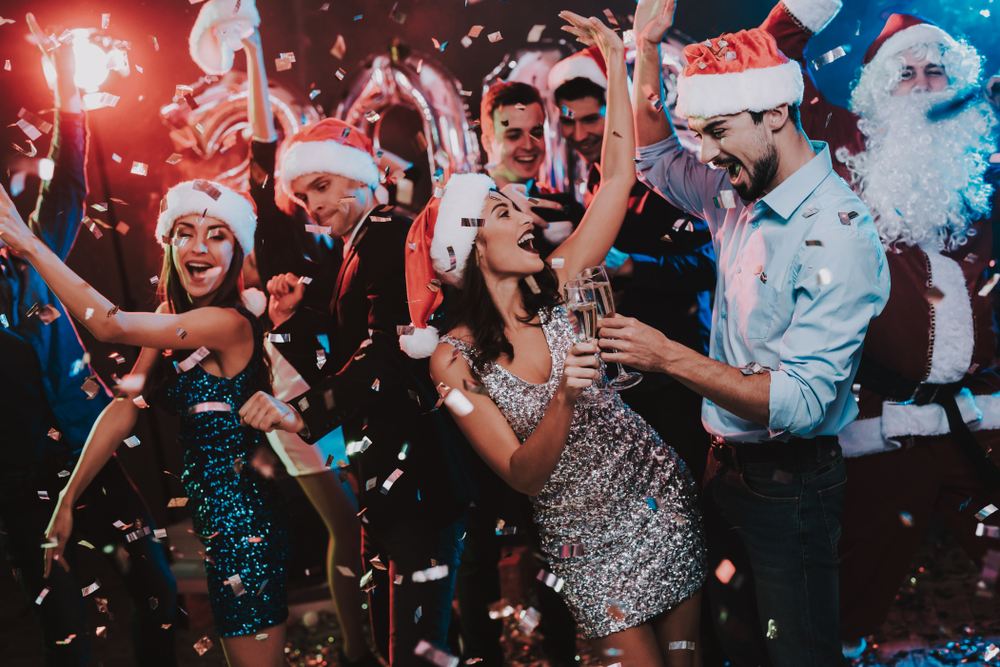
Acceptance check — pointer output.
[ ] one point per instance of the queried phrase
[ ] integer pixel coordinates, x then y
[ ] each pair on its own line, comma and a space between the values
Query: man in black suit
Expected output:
412, 486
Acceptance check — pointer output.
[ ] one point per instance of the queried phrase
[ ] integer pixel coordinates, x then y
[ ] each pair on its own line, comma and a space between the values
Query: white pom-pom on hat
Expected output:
218, 31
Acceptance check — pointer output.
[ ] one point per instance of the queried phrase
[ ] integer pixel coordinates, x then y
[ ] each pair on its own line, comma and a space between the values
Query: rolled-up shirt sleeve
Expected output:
677, 176
841, 284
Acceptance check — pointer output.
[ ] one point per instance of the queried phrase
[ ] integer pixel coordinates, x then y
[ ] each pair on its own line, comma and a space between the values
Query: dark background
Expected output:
309, 28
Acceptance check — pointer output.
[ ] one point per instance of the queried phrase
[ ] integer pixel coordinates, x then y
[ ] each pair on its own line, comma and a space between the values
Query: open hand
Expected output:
653, 18
592, 31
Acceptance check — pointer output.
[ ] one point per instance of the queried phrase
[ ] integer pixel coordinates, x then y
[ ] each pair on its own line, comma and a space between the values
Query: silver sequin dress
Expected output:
618, 519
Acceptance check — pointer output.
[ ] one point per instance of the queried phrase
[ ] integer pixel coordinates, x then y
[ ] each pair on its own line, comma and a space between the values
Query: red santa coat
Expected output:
936, 328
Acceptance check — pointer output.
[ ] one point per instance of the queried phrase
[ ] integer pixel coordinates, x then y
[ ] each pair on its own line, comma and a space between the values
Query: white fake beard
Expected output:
923, 180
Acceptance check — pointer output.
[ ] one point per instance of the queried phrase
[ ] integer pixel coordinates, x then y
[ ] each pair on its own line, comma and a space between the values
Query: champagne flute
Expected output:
581, 303
605, 301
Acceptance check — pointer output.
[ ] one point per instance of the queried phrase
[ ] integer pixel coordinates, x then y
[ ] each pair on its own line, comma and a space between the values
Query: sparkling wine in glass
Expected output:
581, 302
605, 300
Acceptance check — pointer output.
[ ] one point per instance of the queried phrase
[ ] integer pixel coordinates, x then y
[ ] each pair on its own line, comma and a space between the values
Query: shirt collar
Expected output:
349, 241
787, 197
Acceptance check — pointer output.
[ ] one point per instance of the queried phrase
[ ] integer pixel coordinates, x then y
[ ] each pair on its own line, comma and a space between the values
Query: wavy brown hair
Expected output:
474, 308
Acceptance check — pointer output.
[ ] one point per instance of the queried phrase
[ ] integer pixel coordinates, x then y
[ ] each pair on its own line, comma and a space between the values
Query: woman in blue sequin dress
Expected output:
615, 507
202, 357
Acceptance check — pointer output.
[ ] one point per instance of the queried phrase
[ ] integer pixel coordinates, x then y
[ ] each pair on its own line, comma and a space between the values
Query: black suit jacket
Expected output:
377, 393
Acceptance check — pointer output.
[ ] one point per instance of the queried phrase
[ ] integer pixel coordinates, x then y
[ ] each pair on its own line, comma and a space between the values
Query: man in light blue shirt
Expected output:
801, 274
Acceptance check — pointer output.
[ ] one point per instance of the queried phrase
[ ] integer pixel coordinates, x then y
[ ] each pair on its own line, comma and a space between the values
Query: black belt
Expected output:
796, 452
887, 383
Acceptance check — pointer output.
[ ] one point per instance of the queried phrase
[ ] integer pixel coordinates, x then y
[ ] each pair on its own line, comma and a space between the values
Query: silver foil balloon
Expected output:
531, 65
413, 109
213, 134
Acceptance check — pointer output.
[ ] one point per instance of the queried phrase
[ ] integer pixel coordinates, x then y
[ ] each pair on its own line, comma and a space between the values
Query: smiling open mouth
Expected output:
201, 270
527, 242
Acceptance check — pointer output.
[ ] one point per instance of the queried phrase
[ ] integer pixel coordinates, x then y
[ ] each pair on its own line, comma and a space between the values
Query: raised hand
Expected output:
13, 231
592, 31
517, 193
60, 54
653, 18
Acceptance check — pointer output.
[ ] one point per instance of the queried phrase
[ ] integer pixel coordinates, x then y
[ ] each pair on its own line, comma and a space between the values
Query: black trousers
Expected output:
403, 611
64, 611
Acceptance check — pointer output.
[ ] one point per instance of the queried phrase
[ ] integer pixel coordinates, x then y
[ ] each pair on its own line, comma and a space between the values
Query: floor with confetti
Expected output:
940, 618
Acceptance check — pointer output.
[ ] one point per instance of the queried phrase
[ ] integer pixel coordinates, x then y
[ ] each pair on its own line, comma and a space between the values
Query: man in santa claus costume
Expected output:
916, 148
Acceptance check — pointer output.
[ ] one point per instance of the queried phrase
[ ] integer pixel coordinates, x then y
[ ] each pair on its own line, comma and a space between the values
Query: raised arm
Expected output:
114, 425
213, 328
596, 232
524, 466
258, 101
59, 208
661, 161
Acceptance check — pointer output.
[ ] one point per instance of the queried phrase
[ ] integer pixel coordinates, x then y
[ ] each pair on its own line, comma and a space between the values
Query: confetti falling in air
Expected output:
906, 519
284, 61
772, 629
824, 277
434, 656
550, 580
535, 33
830, 56
989, 284
726, 199
132, 441
139, 168
725, 571
203, 645
177, 502
87, 590
430, 574
986, 512
494, 37
339, 48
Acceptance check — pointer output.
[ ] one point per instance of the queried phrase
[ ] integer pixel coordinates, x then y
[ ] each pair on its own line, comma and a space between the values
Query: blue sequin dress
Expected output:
236, 511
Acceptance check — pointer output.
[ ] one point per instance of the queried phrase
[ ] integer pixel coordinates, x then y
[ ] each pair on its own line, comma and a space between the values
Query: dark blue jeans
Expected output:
404, 613
778, 522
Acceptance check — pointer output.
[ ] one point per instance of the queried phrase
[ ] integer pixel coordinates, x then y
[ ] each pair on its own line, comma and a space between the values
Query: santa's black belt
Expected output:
875, 377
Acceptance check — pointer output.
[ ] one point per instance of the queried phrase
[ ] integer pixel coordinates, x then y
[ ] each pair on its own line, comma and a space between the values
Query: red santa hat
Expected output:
883, 63
437, 248
218, 31
814, 15
329, 146
901, 32
213, 200
736, 72
587, 64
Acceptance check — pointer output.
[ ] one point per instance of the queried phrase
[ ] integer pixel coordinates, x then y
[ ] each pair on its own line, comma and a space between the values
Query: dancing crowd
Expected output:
720, 399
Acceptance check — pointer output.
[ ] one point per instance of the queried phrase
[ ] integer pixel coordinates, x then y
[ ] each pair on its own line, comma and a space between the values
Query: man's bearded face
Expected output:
924, 179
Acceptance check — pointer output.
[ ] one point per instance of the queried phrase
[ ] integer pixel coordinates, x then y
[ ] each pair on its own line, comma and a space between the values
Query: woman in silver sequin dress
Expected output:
615, 507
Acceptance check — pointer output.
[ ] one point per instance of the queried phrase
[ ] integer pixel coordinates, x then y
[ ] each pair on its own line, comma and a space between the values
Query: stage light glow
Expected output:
93, 63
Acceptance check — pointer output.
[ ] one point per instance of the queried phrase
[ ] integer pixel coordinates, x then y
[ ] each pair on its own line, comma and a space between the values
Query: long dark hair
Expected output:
473, 307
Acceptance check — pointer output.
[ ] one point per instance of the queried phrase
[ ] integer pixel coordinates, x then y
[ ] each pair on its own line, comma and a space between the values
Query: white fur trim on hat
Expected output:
327, 157
922, 33
231, 208
759, 89
421, 343
813, 14
217, 32
576, 67
464, 197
